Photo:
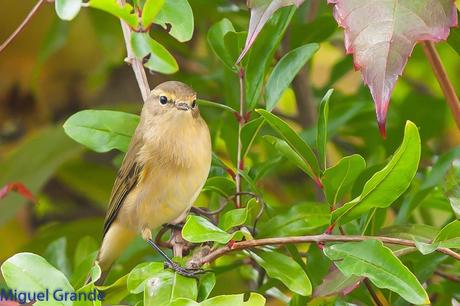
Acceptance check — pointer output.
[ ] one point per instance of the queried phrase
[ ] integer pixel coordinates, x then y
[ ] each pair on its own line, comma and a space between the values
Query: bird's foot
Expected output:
187, 272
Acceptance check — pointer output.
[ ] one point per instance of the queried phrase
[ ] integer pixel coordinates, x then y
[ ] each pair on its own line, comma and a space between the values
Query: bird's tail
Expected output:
115, 241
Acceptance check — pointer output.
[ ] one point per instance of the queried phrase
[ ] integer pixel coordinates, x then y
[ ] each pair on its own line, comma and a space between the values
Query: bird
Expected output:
162, 174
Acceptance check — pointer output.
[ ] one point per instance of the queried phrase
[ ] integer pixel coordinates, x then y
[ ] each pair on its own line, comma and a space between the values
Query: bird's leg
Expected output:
147, 236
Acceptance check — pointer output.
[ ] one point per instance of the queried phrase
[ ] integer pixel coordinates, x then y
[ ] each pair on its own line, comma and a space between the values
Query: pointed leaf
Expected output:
297, 220
387, 185
261, 11
159, 59
166, 286
28, 272
177, 16
150, 11
336, 283
112, 7
290, 154
294, 141
452, 187
102, 130
249, 133
260, 58
67, 9
373, 260
285, 71
198, 229
339, 179
382, 34
216, 41
321, 136
285, 269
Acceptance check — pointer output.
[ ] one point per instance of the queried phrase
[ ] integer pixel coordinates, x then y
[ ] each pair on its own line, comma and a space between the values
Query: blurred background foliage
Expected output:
56, 68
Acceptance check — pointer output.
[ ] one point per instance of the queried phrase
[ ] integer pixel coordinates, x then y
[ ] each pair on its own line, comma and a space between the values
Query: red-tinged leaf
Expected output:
261, 11
381, 35
336, 283
19, 188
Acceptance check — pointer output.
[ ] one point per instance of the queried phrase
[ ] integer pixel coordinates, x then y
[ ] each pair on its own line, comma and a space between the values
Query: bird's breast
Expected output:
174, 171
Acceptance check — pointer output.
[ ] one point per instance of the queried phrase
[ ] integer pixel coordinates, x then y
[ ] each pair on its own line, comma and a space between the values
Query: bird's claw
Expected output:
187, 272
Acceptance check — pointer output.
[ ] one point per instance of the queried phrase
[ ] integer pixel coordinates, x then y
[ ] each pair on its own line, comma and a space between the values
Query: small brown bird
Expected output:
162, 174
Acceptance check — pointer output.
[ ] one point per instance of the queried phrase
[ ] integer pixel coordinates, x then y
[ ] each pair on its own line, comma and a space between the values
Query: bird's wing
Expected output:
127, 178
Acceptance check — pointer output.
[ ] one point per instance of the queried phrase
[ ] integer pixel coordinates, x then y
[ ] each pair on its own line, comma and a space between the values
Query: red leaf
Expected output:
261, 11
336, 283
381, 34
19, 188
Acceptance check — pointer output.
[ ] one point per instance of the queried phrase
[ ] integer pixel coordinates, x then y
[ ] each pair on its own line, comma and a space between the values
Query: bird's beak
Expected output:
182, 106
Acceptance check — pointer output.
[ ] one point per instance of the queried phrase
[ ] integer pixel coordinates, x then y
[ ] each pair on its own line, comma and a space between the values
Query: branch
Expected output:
22, 25
241, 121
308, 239
443, 80
136, 64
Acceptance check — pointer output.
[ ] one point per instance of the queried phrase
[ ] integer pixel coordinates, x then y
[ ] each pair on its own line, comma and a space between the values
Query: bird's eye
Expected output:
193, 103
163, 100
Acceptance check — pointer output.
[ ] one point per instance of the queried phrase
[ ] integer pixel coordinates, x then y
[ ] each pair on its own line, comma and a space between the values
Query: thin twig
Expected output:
22, 25
136, 64
242, 245
443, 80
452, 278
374, 295
241, 121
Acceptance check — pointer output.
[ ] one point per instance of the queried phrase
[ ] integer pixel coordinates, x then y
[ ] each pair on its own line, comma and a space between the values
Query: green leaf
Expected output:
448, 237
215, 104
452, 187
222, 185
56, 255
198, 229
294, 141
249, 133
216, 41
339, 179
261, 55
237, 216
150, 11
205, 285
113, 8
297, 220
387, 185
373, 260
454, 39
102, 130
289, 153
321, 136
285, 269
254, 299
116, 292
160, 59
31, 273
166, 286
140, 274
177, 14
285, 71
67, 9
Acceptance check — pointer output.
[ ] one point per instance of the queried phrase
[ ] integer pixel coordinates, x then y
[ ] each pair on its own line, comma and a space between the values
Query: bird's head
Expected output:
171, 100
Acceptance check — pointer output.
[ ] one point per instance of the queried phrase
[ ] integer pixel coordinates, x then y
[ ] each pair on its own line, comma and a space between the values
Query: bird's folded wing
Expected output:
126, 180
